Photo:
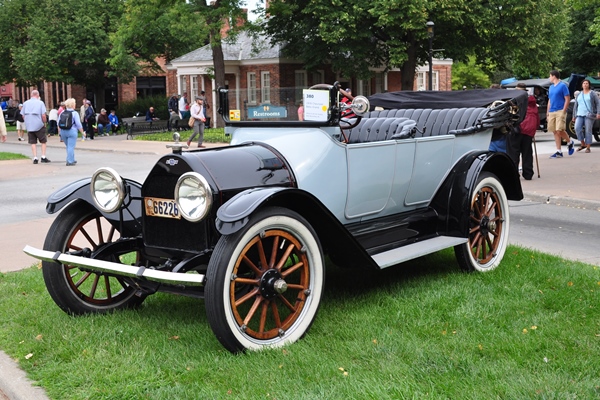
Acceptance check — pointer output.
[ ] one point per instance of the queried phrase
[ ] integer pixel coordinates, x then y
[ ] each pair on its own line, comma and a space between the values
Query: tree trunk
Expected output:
408, 68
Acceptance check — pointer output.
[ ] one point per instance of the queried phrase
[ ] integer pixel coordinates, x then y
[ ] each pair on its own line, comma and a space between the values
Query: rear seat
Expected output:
428, 122
379, 129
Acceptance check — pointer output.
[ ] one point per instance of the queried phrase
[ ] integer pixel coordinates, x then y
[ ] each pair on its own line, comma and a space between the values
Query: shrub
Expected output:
141, 105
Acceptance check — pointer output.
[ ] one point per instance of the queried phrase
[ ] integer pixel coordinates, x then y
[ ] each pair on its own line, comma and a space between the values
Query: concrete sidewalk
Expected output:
571, 181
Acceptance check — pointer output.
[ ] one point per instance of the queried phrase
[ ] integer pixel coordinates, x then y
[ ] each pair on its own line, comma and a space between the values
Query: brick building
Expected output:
256, 73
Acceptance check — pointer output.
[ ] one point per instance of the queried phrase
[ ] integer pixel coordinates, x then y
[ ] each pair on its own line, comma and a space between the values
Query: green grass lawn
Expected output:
421, 330
11, 156
213, 135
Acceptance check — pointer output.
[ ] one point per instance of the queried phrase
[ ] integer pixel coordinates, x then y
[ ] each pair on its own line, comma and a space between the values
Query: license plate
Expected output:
165, 208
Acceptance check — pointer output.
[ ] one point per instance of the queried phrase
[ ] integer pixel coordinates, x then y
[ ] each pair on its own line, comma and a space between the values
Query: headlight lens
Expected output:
108, 189
193, 196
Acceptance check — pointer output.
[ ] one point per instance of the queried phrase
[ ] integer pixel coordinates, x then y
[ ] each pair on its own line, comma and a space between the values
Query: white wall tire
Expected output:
488, 223
276, 248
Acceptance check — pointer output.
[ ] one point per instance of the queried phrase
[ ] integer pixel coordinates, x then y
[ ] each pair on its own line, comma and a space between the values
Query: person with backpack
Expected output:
68, 125
520, 144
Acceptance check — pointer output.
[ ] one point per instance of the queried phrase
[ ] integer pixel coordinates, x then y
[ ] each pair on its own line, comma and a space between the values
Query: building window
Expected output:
318, 77
265, 86
379, 80
147, 86
365, 87
300, 83
423, 82
252, 87
194, 87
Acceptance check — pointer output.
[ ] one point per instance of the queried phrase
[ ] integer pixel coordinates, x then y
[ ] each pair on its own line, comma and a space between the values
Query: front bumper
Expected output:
111, 268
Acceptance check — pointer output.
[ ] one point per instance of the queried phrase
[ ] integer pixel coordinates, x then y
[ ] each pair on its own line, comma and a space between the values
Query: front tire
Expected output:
76, 291
488, 226
265, 282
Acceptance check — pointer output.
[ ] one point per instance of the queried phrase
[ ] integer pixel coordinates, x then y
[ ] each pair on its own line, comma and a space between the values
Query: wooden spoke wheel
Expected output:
488, 226
82, 230
264, 282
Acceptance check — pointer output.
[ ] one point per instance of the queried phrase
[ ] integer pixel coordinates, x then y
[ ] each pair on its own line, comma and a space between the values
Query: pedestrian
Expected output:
585, 111
69, 136
301, 112
34, 113
3, 132
90, 119
114, 121
52, 121
173, 104
151, 115
206, 105
558, 102
498, 142
520, 143
103, 123
183, 106
82, 109
197, 112
20, 123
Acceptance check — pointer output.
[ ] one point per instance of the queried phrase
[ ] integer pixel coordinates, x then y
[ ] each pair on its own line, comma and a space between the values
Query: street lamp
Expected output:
430, 26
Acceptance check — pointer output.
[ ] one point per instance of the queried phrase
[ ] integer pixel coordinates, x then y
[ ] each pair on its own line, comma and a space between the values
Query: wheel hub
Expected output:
486, 226
272, 284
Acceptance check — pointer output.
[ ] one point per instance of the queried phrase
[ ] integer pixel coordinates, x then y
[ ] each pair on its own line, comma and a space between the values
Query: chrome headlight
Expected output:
193, 196
108, 190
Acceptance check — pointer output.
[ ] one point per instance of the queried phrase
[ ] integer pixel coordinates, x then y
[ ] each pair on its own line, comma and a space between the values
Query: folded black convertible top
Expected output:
449, 99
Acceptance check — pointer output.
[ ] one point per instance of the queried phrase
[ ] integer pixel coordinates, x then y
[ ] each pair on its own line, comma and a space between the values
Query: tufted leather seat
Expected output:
428, 122
379, 129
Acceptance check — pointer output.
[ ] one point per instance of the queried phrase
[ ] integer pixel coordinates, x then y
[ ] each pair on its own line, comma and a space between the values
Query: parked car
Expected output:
247, 226
10, 115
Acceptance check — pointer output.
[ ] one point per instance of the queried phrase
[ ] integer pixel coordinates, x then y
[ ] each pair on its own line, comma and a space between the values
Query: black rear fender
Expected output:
337, 242
127, 220
452, 200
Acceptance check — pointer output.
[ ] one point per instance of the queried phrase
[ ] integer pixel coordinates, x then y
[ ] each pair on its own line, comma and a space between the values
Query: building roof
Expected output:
245, 47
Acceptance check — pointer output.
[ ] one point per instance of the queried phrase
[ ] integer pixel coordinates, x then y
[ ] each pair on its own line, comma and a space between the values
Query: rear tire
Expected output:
488, 222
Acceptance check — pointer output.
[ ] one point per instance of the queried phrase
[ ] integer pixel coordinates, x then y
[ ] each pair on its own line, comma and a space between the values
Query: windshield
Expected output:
287, 104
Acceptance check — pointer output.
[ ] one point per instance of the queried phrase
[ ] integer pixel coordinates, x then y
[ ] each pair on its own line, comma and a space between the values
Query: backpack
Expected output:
65, 121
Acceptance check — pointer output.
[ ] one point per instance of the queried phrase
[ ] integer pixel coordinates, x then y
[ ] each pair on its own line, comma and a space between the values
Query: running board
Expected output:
411, 251
112, 268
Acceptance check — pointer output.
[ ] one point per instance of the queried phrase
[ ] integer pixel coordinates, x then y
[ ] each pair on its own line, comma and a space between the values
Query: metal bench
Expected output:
137, 126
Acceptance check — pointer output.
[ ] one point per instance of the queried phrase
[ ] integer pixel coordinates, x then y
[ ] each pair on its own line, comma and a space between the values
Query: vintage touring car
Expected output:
246, 226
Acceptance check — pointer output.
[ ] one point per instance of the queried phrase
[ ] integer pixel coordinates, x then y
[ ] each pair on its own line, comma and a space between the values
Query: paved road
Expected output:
560, 214
24, 187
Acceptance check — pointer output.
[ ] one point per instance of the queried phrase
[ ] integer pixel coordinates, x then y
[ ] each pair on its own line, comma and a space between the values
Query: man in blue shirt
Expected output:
558, 102
34, 112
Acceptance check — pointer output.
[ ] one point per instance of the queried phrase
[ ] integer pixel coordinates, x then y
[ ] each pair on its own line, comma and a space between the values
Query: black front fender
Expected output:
127, 219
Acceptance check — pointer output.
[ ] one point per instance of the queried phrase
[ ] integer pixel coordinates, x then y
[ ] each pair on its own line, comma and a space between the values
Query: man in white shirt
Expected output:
183, 105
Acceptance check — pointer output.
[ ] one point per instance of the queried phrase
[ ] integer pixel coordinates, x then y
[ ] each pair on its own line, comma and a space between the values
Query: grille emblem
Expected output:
172, 162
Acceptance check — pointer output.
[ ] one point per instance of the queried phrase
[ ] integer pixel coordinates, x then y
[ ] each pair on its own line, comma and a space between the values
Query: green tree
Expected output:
169, 29
357, 35
469, 75
149, 29
64, 41
580, 54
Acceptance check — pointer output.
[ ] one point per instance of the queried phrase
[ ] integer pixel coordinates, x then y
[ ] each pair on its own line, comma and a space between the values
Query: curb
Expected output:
562, 201
14, 384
